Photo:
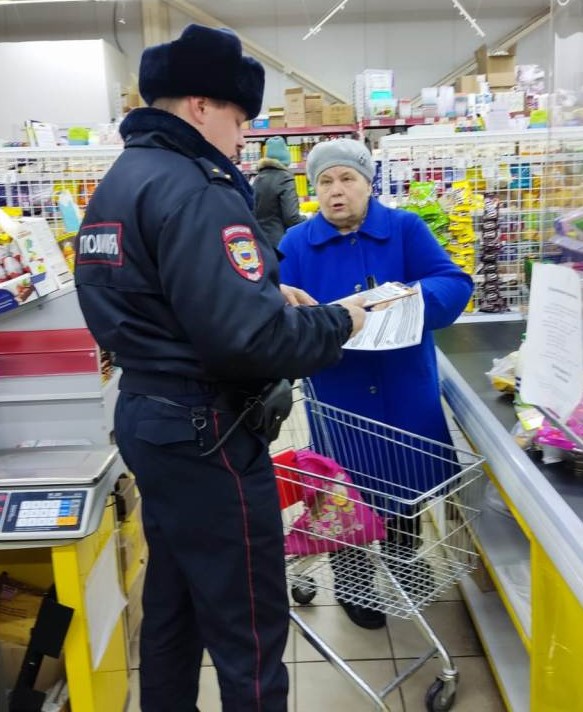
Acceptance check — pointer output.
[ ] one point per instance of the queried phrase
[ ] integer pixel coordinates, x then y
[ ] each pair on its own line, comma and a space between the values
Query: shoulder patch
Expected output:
243, 251
100, 243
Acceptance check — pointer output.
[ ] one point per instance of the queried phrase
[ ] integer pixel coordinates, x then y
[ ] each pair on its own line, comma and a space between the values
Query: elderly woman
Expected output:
352, 244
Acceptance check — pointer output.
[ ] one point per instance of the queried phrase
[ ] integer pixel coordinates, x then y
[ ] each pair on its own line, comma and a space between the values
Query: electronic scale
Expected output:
54, 493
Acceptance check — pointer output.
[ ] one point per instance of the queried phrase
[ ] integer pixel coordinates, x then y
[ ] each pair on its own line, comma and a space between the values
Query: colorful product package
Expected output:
335, 515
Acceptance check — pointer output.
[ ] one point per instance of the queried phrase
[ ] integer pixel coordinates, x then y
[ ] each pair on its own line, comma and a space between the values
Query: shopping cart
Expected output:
357, 527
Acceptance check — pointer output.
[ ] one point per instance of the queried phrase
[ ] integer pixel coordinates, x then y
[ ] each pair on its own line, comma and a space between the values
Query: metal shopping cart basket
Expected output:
380, 517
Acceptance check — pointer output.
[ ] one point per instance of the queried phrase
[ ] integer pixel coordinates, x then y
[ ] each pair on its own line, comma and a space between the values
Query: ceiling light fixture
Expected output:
314, 30
464, 13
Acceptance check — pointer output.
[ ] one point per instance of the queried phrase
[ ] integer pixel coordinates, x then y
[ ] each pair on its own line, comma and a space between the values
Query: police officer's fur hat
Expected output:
203, 62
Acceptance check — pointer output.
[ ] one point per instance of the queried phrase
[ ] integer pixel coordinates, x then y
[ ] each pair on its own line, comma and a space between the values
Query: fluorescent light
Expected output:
464, 13
314, 30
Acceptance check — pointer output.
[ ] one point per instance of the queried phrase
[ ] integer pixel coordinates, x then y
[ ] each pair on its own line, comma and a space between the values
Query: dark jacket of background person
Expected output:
276, 201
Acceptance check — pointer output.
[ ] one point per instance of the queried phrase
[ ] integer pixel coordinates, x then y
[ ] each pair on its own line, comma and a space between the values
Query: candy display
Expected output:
463, 204
491, 299
424, 202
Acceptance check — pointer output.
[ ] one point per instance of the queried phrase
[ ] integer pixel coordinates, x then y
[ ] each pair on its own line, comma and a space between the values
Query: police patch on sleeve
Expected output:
243, 252
100, 244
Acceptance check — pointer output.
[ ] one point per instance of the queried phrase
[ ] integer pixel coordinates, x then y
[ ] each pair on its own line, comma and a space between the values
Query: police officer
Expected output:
175, 277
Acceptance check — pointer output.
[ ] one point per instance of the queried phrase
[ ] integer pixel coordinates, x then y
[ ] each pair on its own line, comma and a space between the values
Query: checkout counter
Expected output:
58, 524
532, 633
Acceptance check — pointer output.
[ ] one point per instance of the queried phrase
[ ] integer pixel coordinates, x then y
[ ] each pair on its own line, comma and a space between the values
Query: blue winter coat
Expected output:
400, 387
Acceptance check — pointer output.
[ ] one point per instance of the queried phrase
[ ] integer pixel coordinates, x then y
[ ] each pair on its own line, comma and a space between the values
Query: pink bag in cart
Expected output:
335, 514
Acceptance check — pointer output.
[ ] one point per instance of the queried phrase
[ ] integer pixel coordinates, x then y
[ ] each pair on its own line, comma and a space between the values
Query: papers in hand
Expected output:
395, 319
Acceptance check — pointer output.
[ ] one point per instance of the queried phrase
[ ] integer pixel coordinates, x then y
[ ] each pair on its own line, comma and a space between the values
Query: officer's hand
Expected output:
354, 304
297, 297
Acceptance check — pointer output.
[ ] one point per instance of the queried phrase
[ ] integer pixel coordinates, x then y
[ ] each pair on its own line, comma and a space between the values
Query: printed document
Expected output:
552, 376
395, 320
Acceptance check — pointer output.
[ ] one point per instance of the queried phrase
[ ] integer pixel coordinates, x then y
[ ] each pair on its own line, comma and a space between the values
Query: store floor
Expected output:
376, 656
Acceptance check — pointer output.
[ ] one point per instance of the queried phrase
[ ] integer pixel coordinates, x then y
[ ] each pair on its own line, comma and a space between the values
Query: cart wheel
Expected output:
304, 592
440, 696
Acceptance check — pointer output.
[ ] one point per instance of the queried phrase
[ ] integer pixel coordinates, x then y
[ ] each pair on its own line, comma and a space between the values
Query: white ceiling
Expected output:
240, 13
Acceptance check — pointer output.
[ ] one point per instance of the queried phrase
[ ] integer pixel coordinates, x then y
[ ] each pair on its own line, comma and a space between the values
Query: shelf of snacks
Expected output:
491, 199
301, 131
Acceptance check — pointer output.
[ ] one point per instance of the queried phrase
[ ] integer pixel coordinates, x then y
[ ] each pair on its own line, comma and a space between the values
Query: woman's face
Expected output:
343, 194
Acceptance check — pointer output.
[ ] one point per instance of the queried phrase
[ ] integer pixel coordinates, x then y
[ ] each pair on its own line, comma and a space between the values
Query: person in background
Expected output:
276, 200
176, 278
355, 243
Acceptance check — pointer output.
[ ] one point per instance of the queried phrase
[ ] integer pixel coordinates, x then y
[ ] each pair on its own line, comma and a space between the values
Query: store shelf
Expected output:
251, 167
382, 122
509, 660
301, 131
502, 544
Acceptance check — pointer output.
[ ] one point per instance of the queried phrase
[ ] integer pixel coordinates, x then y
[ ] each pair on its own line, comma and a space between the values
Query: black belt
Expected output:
168, 385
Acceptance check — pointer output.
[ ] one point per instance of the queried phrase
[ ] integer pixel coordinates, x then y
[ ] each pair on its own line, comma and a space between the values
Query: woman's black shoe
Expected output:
364, 617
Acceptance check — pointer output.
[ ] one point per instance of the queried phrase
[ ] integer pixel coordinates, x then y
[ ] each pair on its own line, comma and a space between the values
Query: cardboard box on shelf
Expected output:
467, 84
294, 100
276, 117
313, 102
39, 230
337, 114
51, 671
19, 606
295, 119
313, 118
277, 122
498, 68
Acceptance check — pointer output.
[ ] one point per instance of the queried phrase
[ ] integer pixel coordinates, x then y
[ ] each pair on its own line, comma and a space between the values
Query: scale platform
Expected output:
54, 493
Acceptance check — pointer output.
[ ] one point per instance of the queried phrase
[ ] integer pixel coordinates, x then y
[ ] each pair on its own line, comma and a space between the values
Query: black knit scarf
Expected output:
176, 134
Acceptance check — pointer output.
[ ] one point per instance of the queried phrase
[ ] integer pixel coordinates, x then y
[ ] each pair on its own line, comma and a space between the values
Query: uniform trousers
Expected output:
215, 576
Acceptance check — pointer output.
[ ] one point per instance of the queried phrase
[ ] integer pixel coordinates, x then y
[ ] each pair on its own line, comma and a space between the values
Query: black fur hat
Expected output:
203, 62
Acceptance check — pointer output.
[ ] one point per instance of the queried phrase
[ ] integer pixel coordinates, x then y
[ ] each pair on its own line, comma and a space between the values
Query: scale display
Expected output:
54, 493
42, 511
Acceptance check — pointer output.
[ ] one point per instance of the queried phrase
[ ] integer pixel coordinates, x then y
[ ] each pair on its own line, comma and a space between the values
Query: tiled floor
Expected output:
376, 656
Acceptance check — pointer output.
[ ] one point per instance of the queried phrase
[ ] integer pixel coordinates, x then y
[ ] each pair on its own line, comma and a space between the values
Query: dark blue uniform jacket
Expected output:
175, 277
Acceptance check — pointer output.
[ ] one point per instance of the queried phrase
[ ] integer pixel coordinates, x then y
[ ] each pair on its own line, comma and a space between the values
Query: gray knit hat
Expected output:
340, 152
